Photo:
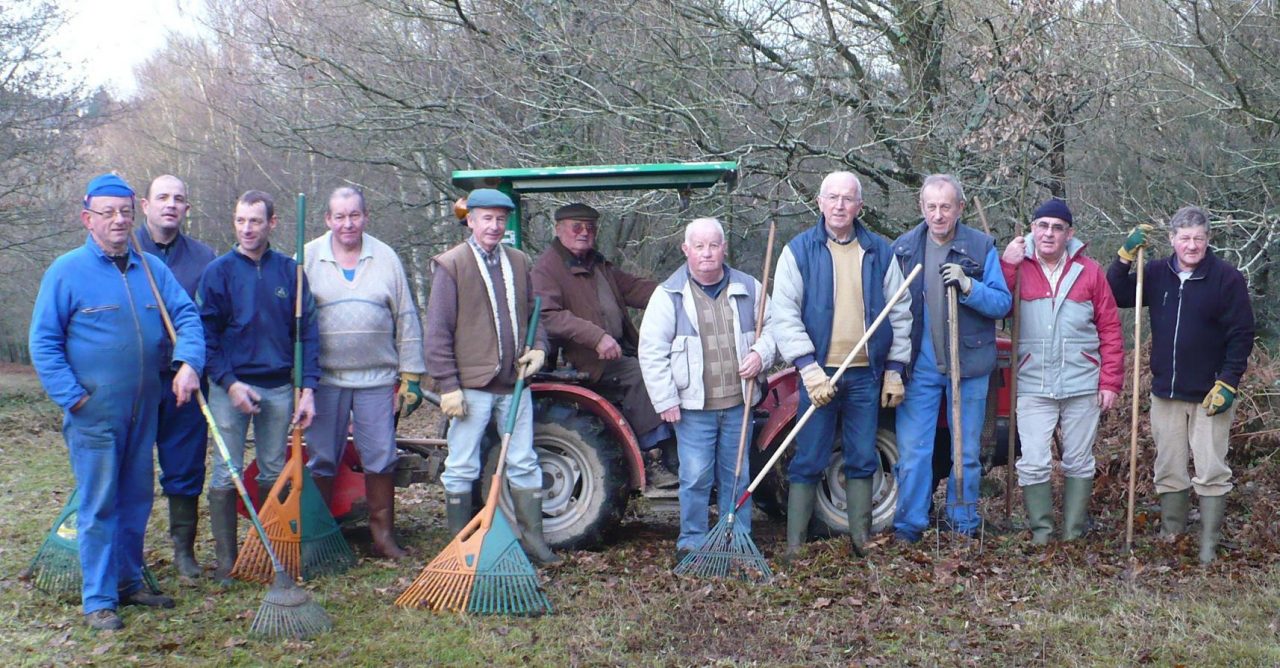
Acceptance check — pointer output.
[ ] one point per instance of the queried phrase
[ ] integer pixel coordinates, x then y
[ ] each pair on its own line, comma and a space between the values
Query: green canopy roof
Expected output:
678, 176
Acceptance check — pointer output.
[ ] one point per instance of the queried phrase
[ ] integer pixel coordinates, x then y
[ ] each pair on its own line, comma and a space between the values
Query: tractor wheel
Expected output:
829, 517
583, 475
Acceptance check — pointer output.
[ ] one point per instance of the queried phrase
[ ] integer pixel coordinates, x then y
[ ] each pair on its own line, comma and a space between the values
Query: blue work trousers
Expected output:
857, 407
708, 445
110, 441
917, 419
182, 439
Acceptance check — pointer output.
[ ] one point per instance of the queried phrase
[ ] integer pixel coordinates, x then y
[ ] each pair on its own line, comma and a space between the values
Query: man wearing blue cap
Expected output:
477, 322
181, 433
97, 342
1070, 364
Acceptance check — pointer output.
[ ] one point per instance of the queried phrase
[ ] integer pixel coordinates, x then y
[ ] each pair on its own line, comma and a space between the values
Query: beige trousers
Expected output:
1181, 427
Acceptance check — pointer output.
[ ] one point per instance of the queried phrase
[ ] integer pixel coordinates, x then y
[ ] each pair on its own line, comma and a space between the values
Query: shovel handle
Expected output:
862, 343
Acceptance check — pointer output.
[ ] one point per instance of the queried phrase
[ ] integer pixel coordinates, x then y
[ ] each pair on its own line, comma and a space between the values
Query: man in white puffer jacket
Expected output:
698, 354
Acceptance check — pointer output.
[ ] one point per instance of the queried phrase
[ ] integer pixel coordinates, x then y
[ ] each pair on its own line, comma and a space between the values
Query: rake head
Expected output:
289, 612
727, 552
506, 582
253, 564
55, 569
444, 584
324, 550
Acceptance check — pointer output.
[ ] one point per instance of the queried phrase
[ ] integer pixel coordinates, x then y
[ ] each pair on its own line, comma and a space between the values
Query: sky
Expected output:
105, 39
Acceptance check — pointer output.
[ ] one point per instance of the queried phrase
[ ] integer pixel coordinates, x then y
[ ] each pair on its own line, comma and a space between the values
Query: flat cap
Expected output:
488, 198
576, 211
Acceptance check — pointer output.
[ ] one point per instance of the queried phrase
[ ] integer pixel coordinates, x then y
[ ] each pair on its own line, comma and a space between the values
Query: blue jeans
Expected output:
182, 439
270, 432
917, 428
462, 465
708, 445
857, 407
372, 412
110, 448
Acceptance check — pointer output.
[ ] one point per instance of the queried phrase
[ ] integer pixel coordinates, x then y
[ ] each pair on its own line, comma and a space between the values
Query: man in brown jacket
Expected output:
477, 322
584, 308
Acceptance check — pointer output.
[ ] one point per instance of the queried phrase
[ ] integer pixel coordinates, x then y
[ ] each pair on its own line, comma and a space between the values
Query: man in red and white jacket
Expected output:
1070, 364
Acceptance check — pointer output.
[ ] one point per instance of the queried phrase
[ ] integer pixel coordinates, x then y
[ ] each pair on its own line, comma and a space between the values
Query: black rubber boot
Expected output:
528, 503
222, 521
183, 513
457, 511
800, 499
264, 491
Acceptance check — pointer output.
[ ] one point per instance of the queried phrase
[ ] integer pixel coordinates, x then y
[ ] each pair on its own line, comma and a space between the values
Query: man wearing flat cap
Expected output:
477, 322
1070, 364
98, 343
584, 307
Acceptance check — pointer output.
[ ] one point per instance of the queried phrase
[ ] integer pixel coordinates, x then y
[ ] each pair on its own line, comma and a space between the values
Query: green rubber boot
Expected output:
1038, 500
1076, 493
183, 511
1173, 512
528, 503
457, 511
800, 501
222, 521
857, 496
1211, 511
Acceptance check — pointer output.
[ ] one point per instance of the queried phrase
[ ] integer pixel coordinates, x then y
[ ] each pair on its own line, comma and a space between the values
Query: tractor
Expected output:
591, 460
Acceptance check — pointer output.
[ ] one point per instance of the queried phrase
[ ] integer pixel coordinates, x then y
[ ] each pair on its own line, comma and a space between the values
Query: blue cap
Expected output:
107, 185
489, 198
1054, 208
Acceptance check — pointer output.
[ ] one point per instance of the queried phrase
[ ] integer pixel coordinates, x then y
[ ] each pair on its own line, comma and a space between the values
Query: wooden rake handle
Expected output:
953, 366
751, 383
1133, 418
862, 343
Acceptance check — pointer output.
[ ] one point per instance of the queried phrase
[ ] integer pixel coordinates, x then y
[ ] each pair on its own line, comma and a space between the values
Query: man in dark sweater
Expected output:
1201, 336
181, 434
246, 301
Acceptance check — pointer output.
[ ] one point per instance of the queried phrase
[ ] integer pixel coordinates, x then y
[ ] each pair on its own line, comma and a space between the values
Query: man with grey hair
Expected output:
832, 281
1201, 335
699, 354
953, 255
371, 359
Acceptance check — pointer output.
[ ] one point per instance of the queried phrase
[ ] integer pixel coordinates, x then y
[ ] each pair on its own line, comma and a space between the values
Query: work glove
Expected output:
453, 404
1219, 399
891, 390
818, 385
953, 274
531, 362
409, 395
1137, 239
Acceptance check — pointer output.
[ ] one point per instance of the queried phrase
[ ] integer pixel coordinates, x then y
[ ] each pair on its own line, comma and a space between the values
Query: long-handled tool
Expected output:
55, 569
287, 611
483, 570
726, 549
298, 522
1133, 418
862, 343
959, 508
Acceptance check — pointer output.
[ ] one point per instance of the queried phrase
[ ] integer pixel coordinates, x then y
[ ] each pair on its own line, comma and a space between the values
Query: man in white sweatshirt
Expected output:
371, 357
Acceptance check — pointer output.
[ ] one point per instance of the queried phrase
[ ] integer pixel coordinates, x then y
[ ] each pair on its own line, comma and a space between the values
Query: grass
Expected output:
1082, 604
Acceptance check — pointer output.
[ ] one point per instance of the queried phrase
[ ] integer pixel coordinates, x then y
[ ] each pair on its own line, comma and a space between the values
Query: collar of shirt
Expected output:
491, 259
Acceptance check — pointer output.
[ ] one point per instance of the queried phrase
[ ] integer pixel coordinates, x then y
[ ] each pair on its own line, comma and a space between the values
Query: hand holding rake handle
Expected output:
862, 343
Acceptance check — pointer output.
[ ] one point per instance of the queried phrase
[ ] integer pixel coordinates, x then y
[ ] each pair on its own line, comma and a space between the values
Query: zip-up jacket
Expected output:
803, 305
987, 300
97, 332
247, 309
1201, 328
1069, 340
670, 349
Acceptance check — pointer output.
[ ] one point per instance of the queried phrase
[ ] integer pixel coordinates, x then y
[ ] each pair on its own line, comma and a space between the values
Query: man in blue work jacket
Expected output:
181, 434
953, 254
98, 343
